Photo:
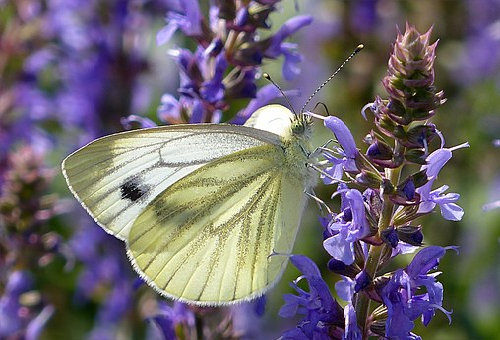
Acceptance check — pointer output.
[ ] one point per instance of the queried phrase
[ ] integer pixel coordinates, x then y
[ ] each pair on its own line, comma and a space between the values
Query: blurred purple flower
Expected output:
186, 16
482, 44
264, 95
279, 47
363, 15
168, 319
229, 51
17, 320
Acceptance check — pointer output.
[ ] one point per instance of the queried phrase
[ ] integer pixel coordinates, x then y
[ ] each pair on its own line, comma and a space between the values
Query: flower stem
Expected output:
375, 252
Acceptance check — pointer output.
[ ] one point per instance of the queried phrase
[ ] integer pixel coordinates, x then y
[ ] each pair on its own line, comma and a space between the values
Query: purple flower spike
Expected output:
347, 227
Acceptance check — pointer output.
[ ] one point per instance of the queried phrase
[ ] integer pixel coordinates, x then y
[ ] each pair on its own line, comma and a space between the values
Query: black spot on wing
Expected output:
132, 190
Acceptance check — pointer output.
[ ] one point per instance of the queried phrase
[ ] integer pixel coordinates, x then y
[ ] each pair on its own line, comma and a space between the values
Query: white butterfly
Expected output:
208, 212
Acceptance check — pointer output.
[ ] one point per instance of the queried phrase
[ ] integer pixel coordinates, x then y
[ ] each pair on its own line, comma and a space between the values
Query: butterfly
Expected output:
209, 212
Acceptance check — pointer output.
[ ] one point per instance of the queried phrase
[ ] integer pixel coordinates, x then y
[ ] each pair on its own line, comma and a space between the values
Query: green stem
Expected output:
372, 261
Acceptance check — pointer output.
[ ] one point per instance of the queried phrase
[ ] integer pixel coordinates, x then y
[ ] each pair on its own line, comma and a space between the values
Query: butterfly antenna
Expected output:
268, 77
358, 48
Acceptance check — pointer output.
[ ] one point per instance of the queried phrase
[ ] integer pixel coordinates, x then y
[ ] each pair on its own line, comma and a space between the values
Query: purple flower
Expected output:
264, 95
132, 121
292, 60
347, 227
344, 136
228, 55
347, 152
401, 297
15, 318
363, 17
186, 17
35, 327
352, 331
287, 29
10, 320
170, 318
429, 199
319, 308
213, 89
346, 290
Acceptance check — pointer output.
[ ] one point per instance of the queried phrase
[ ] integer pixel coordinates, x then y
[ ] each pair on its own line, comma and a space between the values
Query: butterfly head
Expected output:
302, 126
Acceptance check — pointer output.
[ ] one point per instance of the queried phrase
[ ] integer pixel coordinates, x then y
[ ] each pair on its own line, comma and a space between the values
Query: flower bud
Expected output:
390, 236
341, 268
369, 179
416, 156
409, 83
411, 235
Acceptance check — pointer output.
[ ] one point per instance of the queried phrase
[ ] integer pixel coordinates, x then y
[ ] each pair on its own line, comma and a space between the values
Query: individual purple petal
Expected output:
425, 260
292, 59
264, 95
188, 20
169, 108
352, 331
165, 34
359, 222
335, 172
291, 306
451, 211
305, 265
194, 17
213, 90
132, 121
196, 112
403, 248
345, 288
435, 162
344, 136
339, 248
287, 29
36, 325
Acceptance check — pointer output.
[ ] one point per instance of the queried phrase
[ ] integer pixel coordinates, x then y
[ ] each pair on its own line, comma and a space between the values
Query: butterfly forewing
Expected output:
116, 177
210, 238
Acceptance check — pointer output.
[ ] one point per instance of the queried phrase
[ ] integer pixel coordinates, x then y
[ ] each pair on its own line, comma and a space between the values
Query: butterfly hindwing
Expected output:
222, 233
